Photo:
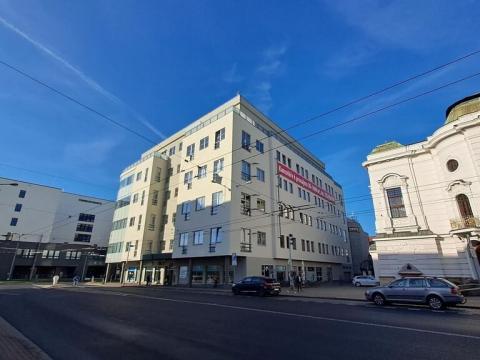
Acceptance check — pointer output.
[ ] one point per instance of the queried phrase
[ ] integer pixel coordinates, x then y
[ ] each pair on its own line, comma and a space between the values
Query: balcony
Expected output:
211, 248
468, 222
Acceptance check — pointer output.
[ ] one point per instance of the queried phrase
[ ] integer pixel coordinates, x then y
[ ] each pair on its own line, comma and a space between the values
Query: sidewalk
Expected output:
14, 345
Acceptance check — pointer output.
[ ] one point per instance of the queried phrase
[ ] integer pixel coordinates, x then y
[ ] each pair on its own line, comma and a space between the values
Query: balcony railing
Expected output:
467, 222
211, 248
245, 247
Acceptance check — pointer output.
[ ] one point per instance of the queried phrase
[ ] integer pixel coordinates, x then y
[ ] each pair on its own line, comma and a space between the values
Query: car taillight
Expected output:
454, 291
267, 285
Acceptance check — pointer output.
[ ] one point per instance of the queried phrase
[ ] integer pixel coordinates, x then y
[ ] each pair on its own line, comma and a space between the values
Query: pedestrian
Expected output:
76, 280
55, 279
215, 281
149, 280
298, 283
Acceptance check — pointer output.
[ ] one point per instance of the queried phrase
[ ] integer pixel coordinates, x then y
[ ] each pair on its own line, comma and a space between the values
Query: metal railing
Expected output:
245, 247
466, 222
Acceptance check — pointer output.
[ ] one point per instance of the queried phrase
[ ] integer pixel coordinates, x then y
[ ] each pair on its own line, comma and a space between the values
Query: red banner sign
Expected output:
289, 174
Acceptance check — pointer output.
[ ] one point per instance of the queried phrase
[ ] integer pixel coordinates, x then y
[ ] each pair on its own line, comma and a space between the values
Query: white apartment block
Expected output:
426, 202
218, 200
37, 213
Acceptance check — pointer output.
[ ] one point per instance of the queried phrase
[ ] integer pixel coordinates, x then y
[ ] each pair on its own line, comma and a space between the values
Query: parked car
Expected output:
364, 280
435, 292
257, 285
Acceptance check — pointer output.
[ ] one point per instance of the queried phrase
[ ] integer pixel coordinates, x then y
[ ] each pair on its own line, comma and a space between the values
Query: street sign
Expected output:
234, 259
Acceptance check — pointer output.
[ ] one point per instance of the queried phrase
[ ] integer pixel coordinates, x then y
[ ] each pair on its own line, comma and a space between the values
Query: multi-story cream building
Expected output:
426, 203
218, 199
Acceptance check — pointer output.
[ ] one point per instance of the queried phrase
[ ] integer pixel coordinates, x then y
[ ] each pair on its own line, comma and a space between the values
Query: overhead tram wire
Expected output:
350, 103
337, 125
365, 115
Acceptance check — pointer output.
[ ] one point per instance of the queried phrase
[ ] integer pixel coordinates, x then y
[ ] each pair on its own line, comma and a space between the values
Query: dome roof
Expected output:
387, 146
462, 107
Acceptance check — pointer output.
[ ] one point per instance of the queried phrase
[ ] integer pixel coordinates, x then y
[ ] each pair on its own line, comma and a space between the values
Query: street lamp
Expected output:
129, 246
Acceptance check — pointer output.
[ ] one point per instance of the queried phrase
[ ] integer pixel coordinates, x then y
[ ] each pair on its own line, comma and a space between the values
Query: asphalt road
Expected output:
153, 323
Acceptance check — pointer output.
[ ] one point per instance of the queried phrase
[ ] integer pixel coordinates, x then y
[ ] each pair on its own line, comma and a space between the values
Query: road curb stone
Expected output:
14, 345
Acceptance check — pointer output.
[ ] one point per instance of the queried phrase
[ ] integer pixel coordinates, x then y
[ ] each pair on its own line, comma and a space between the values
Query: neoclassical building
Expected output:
426, 200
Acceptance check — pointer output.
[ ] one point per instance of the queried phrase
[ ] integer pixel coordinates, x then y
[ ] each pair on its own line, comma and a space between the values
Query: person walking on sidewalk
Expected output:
149, 280
76, 280
55, 279
298, 283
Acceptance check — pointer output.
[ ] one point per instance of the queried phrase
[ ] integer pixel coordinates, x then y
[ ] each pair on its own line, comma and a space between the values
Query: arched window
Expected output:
464, 206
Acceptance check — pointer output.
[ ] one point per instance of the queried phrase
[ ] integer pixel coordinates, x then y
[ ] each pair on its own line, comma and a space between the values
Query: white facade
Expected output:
207, 198
426, 202
32, 212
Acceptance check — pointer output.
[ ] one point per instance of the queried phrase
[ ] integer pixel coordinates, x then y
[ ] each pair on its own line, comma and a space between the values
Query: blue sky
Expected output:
157, 65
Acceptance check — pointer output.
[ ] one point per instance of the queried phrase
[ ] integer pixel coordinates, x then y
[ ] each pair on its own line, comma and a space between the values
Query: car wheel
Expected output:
357, 284
378, 299
435, 303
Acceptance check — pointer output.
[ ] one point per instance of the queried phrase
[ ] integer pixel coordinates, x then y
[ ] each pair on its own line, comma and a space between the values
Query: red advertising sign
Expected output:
289, 174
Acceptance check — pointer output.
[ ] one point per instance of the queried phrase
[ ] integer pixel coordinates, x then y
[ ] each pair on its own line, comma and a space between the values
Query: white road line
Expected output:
273, 312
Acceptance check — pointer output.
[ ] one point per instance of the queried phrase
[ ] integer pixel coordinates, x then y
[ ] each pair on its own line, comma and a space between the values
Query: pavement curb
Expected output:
14, 345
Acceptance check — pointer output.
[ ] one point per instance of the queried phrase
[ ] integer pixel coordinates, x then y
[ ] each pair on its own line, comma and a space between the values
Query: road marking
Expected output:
304, 316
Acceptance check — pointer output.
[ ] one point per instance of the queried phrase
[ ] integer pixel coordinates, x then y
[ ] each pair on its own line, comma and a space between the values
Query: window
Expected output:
282, 241
135, 198
139, 176
119, 224
50, 254
284, 159
215, 235
171, 151
278, 156
174, 217
198, 237
158, 175
82, 237
85, 227
86, 217
202, 171
178, 168
143, 198
180, 147
155, 197
187, 179
261, 238
126, 181
246, 244
289, 163
14, 222
217, 166
246, 204
290, 187
261, 175
398, 283
437, 283
170, 171
191, 151
217, 200
245, 170
146, 175
18, 207
132, 221
151, 225
122, 202
139, 222
261, 205
22, 193
73, 255
183, 239
200, 203
219, 136
186, 209
303, 245
452, 165
308, 245
395, 201
176, 192
246, 140
259, 146
204, 143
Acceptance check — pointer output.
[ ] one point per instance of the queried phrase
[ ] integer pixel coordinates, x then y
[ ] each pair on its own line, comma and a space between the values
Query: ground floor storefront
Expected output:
221, 270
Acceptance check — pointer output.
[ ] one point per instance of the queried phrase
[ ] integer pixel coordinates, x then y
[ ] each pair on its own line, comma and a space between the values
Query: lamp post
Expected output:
129, 246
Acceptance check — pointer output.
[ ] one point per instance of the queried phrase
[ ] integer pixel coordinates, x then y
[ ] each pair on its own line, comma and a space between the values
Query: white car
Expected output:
365, 280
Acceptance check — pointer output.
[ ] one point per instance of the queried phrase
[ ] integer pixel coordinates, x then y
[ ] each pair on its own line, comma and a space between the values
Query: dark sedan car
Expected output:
434, 292
257, 285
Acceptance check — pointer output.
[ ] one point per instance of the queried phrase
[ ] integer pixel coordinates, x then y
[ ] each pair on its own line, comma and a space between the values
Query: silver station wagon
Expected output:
434, 292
